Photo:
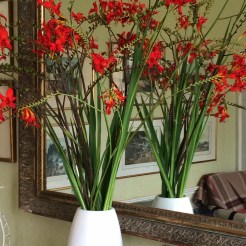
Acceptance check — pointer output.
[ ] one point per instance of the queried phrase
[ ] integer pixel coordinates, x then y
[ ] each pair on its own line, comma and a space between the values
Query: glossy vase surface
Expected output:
174, 204
94, 228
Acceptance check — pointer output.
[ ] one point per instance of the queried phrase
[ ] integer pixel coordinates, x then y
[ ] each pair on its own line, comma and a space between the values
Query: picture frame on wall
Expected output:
7, 132
6, 9
138, 158
206, 149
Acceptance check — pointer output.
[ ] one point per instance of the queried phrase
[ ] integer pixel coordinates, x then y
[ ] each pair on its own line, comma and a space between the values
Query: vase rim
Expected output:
184, 197
99, 211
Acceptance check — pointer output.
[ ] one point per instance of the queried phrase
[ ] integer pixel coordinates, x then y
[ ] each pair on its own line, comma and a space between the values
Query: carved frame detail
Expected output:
160, 225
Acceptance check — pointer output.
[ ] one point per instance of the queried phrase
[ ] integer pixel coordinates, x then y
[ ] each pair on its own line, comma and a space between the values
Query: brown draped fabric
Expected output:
223, 190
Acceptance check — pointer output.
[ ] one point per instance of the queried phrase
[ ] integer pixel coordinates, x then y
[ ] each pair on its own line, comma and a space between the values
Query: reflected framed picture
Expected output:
206, 149
56, 177
7, 132
6, 9
138, 158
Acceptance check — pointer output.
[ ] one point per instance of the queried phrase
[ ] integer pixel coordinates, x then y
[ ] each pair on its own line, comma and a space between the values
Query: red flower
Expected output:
2, 119
145, 19
94, 9
201, 21
100, 64
185, 49
192, 56
179, 3
8, 100
55, 37
55, 9
125, 38
239, 76
113, 10
222, 113
79, 17
109, 105
93, 45
184, 21
155, 57
115, 98
238, 61
221, 80
4, 39
29, 117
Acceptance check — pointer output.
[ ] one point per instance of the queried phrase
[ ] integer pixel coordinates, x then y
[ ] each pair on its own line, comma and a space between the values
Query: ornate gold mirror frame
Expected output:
156, 224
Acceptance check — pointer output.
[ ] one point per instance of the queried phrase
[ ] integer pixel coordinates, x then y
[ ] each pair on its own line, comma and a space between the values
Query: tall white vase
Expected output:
175, 204
94, 228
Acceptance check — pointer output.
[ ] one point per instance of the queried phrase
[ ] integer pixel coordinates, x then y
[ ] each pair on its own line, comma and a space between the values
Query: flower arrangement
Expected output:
94, 114
194, 84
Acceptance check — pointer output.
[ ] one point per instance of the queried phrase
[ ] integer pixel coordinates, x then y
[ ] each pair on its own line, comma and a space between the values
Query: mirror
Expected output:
165, 226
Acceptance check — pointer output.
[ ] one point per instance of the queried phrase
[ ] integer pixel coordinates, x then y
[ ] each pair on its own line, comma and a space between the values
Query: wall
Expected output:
33, 230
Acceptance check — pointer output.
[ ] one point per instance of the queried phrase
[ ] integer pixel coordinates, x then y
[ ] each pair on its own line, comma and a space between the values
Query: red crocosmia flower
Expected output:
55, 37
145, 19
238, 61
115, 98
201, 21
214, 102
94, 9
109, 105
8, 100
111, 62
179, 3
192, 57
211, 68
120, 97
113, 10
125, 38
79, 17
4, 39
29, 117
184, 21
100, 64
222, 113
155, 56
185, 49
220, 81
239, 76
55, 9
2, 119
93, 45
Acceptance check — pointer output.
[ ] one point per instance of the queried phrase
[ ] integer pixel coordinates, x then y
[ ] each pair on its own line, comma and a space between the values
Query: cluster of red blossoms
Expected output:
55, 36
7, 102
113, 98
236, 74
4, 38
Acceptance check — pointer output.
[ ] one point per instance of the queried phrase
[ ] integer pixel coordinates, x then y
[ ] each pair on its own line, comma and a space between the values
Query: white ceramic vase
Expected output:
94, 228
175, 204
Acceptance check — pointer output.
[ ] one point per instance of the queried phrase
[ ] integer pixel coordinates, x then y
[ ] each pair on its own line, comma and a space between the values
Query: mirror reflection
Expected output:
138, 176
